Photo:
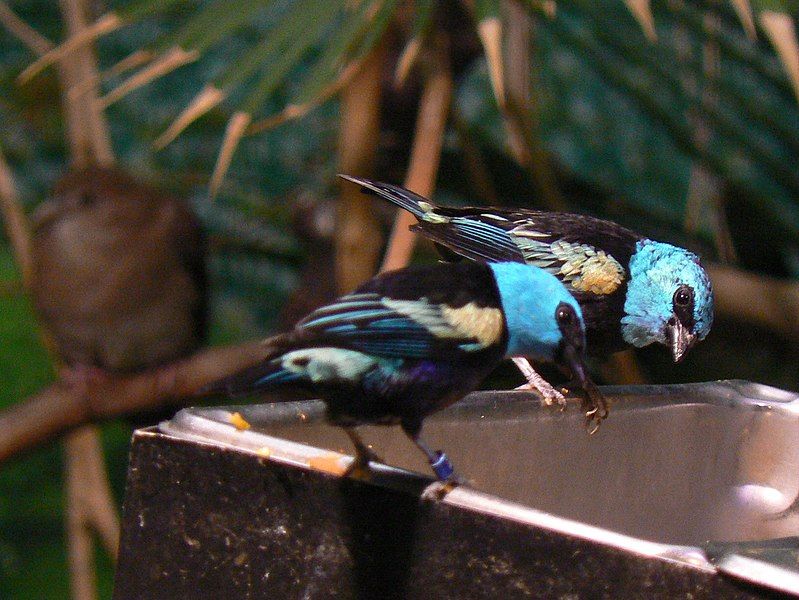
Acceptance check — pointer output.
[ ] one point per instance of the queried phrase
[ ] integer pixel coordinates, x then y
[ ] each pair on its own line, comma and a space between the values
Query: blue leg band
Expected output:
442, 467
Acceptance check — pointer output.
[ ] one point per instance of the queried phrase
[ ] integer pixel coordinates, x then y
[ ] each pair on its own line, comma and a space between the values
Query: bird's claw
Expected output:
438, 490
359, 471
359, 467
594, 415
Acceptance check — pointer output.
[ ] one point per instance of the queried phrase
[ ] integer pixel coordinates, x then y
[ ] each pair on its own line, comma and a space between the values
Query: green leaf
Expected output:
615, 72
486, 9
279, 63
144, 8
335, 54
214, 22
289, 27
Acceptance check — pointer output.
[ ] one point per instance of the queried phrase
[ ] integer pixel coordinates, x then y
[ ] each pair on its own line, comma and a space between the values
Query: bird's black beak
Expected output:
681, 339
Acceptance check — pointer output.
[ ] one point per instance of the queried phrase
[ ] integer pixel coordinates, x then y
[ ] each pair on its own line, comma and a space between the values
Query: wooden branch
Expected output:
34, 40
428, 138
16, 224
520, 108
358, 238
60, 408
89, 502
87, 505
751, 298
86, 108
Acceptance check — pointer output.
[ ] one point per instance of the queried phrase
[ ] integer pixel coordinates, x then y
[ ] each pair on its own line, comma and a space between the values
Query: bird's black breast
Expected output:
602, 317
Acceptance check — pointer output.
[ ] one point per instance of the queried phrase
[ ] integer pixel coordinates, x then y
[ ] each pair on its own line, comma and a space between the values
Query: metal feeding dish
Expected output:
685, 489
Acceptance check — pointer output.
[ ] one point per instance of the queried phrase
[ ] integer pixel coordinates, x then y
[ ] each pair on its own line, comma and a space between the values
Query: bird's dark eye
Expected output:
564, 314
683, 296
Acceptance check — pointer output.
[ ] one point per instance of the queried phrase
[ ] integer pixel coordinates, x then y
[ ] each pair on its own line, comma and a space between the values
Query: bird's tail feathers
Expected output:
415, 204
268, 372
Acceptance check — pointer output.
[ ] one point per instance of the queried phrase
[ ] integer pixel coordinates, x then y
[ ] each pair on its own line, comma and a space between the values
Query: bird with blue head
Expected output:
633, 291
413, 341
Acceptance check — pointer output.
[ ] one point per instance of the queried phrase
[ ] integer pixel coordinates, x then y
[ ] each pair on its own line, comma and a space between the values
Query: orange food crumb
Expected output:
329, 463
238, 421
264, 452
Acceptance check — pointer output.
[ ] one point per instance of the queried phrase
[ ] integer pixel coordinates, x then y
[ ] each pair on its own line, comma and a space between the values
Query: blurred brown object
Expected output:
118, 272
314, 223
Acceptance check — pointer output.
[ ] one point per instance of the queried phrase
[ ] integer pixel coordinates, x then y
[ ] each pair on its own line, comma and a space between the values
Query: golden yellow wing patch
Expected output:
482, 323
587, 269
581, 266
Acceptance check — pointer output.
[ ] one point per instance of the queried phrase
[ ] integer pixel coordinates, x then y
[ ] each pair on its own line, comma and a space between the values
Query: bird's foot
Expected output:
438, 490
359, 467
444, 470
448, 479
549, 395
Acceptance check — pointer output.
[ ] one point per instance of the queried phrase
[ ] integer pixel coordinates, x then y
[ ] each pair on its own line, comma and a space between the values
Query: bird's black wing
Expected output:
427, 312
412, 314
588, 254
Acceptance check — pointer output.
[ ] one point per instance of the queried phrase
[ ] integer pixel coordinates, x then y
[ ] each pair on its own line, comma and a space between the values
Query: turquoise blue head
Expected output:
540, 313
669, 299
544, 320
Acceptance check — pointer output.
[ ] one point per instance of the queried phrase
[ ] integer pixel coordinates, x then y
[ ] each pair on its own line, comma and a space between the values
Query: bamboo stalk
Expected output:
23, 32
209, 97
236, 127
428, 139
89, 502
358, 238
92, 119
105, 24
519, 112
407, 60
15, 222
172, 59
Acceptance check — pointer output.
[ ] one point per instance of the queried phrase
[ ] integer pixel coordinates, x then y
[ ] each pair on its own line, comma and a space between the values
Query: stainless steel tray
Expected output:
703, 474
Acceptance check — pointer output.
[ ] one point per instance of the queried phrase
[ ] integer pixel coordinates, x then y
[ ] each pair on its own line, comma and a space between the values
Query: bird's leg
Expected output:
363, 454
439, 461
549, 395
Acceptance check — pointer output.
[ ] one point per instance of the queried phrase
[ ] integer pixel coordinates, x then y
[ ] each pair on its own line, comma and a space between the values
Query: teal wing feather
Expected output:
508, 237
472, 238
392, 328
